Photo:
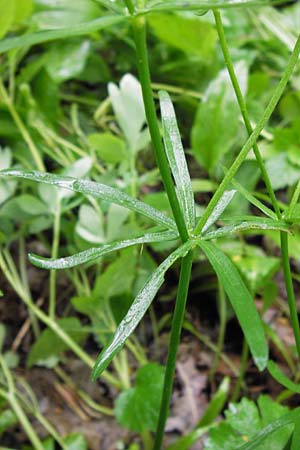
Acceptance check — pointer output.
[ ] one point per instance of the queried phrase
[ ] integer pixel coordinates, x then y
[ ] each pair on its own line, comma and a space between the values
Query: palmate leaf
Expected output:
137, 310
246, 224
176, 158
241, 301
95, 189
96, 252
28, 40
290, 418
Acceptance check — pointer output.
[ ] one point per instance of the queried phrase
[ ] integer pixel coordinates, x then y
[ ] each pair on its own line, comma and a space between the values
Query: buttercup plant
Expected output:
191, 232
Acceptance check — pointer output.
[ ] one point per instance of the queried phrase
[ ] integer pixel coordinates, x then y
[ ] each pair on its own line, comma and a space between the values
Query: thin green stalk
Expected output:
15, 282
283, 236
243, 367
289, 288
139, 28
243, 109
18, 410
54, 254
177, 322
252, 139
22, 128
295, 196
222, 330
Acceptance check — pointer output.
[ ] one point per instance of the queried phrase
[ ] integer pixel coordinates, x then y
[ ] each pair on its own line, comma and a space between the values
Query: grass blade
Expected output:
137, 310
95, 189
219, 209
196, 5
96, 252
39, 37
247, 224
281, 378
292, 417
176, 158
241, 301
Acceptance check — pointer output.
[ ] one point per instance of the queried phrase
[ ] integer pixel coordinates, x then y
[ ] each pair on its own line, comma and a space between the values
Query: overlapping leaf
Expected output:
96, 252
28, 40
95, 189
137, 310
176, 158
241, 301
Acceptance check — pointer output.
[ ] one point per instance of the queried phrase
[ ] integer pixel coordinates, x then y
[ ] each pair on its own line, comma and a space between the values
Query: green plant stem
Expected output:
289, 288
243, 109
283, 236
54, 254
52, 324
295, 196
252, 139
222, 330
139, 29
18, 410
177, 322
243, 367
22, 128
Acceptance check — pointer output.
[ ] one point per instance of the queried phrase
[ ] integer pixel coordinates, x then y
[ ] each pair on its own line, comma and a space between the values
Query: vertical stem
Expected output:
243, 366
283, 236
54, 254
22, 128
139, 28
184, 280
222, 330
243, 109
15, 405
289, 288
252, 138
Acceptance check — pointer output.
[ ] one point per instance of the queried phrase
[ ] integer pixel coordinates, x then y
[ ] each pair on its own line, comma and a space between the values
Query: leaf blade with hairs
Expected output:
241, 301
176, 158
95, 189
94, 253
137, 310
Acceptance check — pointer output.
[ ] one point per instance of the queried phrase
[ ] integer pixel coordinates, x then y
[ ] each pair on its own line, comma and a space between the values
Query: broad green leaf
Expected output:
67, 60
63, 13
216, 123
282, 171
75, 441
219, 209
96, 252
192, 35
7, 187
49, 346
264, 435
23, 10
247, 224
176, 158
28, 40
257, 270
90, 224
7, 420
109, 148
137, 310
137, 408
282, 379
128, 105
95, 190
243, 417
7, 8
241, 301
